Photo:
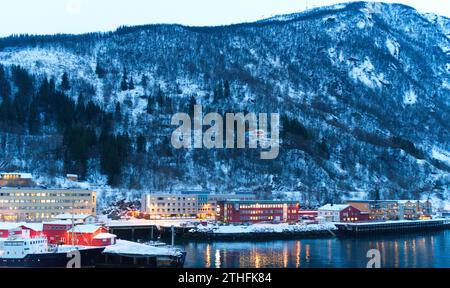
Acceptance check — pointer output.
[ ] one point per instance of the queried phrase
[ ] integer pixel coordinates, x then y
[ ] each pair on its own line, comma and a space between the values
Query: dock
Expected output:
355, 229
134, 230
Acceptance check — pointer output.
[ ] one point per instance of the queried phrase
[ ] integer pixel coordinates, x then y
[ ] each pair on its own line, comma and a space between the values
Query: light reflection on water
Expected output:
397, 251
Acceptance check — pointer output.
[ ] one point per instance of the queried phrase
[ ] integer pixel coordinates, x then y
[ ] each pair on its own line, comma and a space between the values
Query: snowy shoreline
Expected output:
260, 232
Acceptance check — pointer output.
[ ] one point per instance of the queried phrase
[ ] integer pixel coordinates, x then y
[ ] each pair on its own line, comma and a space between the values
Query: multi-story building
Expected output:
385, 210
160, 206
186, 205
238, 211
413, 210
380, 210
207, 207
38, 204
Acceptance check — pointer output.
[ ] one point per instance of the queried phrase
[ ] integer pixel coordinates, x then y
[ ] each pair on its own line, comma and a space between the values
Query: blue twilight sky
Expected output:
80, 16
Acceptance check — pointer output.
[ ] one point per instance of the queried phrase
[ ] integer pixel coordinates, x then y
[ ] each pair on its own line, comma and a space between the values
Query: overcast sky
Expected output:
80, 16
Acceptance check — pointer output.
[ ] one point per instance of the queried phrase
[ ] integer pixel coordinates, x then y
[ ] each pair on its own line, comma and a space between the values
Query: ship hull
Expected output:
88, 259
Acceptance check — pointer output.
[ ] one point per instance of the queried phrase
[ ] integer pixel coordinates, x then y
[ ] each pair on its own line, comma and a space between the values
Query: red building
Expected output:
90, 235
237, 211
56, 232
33, 229
6, 227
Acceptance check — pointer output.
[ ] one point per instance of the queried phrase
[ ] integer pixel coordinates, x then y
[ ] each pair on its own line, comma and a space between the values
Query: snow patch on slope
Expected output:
410, 98
441, 155
393, 47
366, 74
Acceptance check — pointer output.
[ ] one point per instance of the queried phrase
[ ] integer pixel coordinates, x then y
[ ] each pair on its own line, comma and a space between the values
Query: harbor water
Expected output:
414, 250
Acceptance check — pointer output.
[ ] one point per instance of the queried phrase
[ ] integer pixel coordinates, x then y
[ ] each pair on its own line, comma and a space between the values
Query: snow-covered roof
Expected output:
10, 225
130, 248
105, 236
85, 228
70, 216
336, 208
34, 226
59, 222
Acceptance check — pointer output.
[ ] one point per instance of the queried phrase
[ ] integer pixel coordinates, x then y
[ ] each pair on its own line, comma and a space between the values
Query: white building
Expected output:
331, 213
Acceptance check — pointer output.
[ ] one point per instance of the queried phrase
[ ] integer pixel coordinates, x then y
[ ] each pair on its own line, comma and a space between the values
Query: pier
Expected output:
355, 229
148, 229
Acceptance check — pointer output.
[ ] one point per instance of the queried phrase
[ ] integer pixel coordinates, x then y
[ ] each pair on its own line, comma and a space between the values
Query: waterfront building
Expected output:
255, 211
90, 235
39, 204
388, 210
342, 213
208, 203
163, 206
186, 205
56, 231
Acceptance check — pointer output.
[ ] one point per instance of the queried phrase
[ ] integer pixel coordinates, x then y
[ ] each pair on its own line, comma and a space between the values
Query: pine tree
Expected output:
144, 81
5, 88
141, 144
124, 83
99, 70
131, 84
65, 84
150, 105
33, 118
118, 113
227, 91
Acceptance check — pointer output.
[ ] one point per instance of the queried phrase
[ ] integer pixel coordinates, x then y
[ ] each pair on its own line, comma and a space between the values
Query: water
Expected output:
427, 250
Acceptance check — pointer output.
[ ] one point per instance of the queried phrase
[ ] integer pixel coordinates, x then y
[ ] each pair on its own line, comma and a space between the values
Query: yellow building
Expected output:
36, 205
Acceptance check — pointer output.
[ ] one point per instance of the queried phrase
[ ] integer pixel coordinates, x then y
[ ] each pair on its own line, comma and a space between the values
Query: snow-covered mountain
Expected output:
368, 85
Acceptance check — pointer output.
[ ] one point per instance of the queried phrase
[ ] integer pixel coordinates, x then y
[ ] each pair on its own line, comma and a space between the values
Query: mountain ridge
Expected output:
365, 92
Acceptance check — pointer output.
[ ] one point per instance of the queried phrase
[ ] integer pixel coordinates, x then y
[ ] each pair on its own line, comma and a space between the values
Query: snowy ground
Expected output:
131, 248
264, 228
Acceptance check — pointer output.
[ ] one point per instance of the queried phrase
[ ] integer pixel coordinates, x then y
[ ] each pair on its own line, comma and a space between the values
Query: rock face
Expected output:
367, 85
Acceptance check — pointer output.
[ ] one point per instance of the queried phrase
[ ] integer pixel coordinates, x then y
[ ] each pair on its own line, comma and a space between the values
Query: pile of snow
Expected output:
131, 248
263, 228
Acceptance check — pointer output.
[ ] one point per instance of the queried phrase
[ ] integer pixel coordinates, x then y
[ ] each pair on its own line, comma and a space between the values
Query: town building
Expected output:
161, 206
90, 235
385, 210
186, 205
207, 203
16, 180
56, 231
308, 215
239, 211
39, 204
342, 213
